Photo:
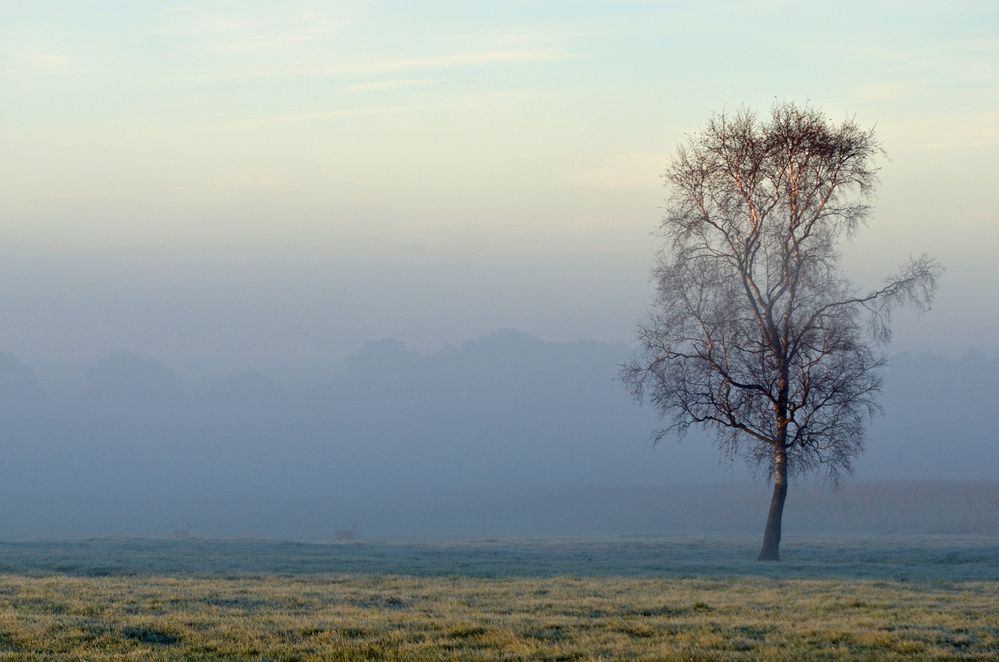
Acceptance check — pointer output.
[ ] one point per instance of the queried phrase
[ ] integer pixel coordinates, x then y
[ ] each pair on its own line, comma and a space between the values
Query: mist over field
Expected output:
344, 330
503, 435
212, 213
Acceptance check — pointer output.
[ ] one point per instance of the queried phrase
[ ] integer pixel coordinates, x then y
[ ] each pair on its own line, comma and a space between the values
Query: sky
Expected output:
271, 184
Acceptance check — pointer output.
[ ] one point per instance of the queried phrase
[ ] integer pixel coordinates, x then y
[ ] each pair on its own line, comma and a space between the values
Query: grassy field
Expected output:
662, 598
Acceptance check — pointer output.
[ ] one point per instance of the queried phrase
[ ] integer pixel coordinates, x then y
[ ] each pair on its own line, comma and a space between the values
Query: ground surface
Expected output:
684, 597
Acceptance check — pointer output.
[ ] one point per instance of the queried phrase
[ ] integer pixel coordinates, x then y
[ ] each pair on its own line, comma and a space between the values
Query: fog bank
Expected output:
501, 435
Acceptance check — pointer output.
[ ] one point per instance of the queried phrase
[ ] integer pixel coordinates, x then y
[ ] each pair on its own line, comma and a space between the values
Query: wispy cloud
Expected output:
380, 85
299, 116
467, 105
959, 131
465, 59
621, 172
265, 35
895, 90
389, 66
49, 60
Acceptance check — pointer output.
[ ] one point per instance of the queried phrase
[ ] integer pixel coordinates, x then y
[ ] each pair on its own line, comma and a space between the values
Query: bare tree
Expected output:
754, 333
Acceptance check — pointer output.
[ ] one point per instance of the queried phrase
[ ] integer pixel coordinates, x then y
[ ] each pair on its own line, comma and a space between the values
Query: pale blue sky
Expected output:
224, 181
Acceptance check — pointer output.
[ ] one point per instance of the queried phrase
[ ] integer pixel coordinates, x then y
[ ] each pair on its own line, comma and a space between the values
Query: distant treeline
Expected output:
465, 440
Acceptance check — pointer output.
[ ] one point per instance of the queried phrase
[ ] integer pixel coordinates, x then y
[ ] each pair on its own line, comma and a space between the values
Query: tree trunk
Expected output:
771, 536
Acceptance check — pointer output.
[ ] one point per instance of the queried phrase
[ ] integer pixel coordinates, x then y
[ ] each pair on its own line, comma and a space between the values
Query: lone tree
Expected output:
754, 333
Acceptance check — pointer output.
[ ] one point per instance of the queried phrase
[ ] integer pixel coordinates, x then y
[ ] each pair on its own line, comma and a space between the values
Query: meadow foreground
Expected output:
859, 598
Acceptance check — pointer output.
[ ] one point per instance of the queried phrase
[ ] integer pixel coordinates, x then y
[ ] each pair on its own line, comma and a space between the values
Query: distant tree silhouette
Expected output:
15, 377
123, 375
754, 332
